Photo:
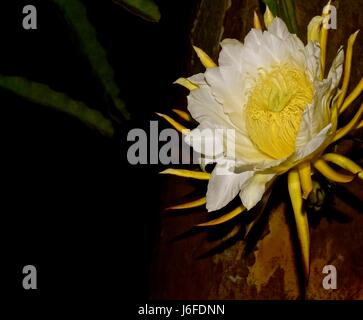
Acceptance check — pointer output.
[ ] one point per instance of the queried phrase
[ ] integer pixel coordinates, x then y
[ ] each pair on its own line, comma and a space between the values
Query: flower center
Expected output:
275, 107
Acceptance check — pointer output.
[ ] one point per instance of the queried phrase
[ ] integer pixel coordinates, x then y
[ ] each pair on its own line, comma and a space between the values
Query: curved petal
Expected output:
292, 42
265, 50
198, 79
336, 69
316, 116
228, 87
231, 54
326, 89
314, 119
254, 36
312, 60
322, 101
203, 107
279, 29
209, 113
205, 141
275, 48
254, 189
311, 146
262, 49
224, 186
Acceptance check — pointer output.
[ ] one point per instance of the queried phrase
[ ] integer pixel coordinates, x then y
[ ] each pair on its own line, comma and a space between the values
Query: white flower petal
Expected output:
205, 141
312, 58
313, 144
296, 45
262, 50
322, 101
279, 29
255, 59
336, 69
227, 86
231, 54
230, 89
254, 189
275, 48
203, 107
253, 38
311, 123
293, 44
223, 188
316, 116
198, 79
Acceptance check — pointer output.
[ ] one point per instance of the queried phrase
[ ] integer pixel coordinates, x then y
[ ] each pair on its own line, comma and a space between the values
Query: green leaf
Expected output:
76, 16
285, 9
287, 13
43, 95
145, 9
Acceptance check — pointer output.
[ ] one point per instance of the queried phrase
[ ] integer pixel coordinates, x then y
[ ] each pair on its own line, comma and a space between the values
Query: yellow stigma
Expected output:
275, 107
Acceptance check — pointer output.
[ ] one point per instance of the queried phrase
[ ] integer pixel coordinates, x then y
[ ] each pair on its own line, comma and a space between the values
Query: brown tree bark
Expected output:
271, 270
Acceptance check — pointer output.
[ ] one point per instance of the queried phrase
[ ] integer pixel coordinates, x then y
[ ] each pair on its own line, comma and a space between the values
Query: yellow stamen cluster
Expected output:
275, 108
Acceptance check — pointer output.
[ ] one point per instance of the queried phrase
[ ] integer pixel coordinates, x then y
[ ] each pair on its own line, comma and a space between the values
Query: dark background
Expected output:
70, 203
